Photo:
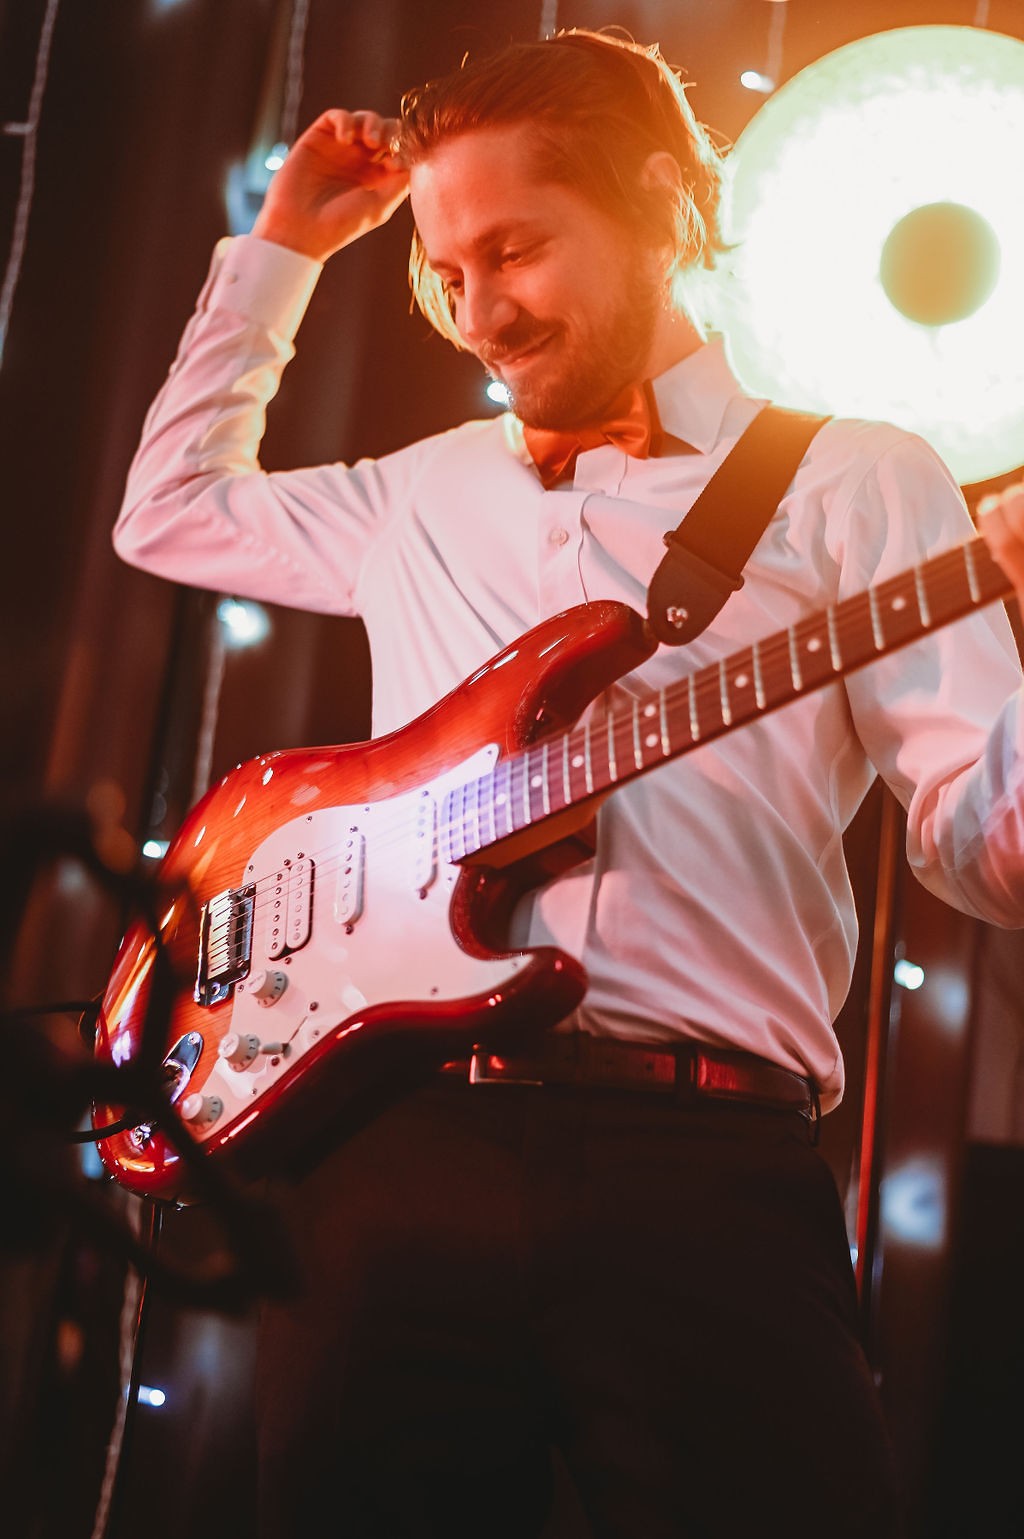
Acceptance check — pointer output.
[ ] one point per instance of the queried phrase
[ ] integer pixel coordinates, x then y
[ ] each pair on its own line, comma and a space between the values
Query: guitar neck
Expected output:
586, 762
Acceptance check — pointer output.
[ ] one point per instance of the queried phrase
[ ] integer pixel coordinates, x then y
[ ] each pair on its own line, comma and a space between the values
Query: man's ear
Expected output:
661, 182
661, 169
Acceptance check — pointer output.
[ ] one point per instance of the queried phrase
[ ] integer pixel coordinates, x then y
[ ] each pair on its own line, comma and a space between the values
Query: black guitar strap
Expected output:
710, 547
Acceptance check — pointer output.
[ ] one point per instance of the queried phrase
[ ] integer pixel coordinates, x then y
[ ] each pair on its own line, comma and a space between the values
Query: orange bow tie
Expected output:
631, 424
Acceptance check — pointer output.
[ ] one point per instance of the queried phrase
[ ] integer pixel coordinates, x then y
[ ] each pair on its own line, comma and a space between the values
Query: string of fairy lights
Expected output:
27, 131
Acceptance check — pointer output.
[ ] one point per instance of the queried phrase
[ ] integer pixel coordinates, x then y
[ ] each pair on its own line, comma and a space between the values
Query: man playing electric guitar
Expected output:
613, 1239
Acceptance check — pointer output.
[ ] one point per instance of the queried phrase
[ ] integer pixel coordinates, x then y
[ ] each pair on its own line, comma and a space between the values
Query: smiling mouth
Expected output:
520, 356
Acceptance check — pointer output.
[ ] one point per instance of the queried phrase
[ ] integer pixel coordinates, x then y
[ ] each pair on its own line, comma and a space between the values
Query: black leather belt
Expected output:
688, 1071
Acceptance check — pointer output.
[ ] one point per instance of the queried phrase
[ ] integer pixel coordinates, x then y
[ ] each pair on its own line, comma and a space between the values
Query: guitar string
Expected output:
700, 691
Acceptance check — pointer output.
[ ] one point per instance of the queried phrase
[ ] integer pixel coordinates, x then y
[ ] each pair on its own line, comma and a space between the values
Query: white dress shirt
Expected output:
718, 905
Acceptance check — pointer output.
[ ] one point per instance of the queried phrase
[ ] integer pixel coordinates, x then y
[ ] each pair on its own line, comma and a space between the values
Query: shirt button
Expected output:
558, 536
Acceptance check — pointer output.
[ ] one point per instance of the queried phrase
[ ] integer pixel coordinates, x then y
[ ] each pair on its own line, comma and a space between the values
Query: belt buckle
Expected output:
478, 1072
812, 1115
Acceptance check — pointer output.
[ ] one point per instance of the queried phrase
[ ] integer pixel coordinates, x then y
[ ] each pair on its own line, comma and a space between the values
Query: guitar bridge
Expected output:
225, 944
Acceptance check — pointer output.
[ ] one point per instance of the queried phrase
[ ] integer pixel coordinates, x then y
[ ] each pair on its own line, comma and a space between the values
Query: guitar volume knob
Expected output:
201, 1111
267, 985
239, 1049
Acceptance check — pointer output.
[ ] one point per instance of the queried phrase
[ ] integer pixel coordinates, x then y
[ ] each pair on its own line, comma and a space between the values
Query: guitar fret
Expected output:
794, 659
566, 785
503, 798
833, 640
478, 814
466, 817
922, 596
527, 820
666, 741
575, 772
613, 772
638, 753
485, 808
454, 825
451, 828
481, 807
694, 720
587, 762
649, 739
876, 624
456, 829
973, 585
723, 693
545, 792
759, 694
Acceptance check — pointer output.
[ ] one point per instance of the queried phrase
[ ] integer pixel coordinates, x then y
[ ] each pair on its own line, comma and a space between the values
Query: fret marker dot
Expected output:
899, 602
536, 782
577, 761
649, 710
741, 680
814, 645
500, 799
651, 740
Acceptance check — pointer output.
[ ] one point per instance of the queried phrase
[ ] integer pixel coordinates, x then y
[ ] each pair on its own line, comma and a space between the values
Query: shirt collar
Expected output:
694, 395
693, 398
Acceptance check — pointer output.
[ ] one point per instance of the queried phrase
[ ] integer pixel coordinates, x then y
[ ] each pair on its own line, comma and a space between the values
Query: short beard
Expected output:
611, 358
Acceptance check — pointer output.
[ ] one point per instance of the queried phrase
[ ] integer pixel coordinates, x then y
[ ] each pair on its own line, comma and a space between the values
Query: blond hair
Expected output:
599, 106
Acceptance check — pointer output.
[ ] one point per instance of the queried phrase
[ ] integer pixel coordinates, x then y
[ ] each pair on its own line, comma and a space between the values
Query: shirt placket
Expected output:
559, 535
560, 531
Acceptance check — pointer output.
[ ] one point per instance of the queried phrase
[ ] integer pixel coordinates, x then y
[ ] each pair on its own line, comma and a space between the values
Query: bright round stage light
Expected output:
875, 202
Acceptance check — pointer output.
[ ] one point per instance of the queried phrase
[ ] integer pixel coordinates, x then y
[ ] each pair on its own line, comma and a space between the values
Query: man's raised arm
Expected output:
197, 506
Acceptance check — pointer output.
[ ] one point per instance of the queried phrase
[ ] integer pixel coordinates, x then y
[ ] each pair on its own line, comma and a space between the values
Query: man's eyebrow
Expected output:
498, 235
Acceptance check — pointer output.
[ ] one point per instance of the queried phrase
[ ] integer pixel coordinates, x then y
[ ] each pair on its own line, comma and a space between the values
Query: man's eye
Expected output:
453, 286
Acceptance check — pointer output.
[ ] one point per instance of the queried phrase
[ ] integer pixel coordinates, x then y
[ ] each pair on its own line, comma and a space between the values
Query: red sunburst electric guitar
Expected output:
331, 921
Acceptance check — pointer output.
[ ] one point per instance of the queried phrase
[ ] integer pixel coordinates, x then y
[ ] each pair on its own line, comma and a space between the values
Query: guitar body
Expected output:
314, 950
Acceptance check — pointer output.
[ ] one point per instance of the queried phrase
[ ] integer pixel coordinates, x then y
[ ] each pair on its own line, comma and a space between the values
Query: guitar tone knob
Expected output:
267, 985
239, 1049
201, 1111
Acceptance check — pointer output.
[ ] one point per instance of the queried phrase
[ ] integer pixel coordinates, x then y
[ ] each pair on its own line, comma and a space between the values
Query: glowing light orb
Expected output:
244, 622
879, 267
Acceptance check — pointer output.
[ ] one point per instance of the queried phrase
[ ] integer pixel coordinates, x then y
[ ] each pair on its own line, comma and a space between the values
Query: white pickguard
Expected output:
396, 946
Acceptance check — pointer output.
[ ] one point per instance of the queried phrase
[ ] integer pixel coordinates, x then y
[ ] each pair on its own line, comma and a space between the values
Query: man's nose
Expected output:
484, 310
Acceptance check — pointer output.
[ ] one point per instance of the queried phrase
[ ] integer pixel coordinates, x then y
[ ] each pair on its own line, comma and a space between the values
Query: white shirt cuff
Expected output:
265, 282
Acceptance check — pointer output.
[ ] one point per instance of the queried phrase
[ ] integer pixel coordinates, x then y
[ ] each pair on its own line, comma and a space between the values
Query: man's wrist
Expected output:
279, 234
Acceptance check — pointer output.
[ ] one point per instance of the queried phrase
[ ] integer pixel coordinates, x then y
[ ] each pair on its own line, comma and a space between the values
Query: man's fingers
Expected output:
1002, 513
367, 128
1001, 521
